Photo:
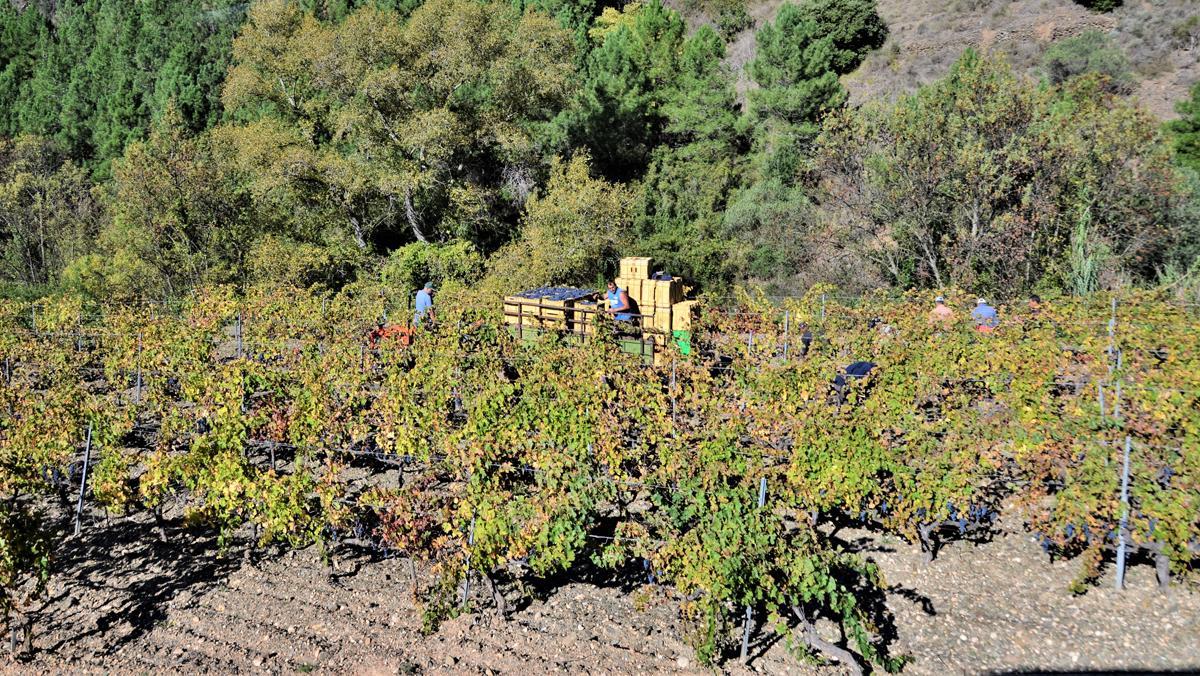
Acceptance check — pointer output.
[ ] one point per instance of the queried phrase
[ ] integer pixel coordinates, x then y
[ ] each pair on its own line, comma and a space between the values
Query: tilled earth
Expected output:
127, 603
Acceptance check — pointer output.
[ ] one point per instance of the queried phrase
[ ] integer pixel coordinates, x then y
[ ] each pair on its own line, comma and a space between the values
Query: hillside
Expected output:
926, 36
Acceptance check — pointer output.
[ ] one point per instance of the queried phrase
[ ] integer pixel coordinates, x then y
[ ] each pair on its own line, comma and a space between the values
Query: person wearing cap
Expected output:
941, 313
424, 305
985, 316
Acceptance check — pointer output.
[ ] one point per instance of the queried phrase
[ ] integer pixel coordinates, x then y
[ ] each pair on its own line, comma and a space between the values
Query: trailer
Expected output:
659, 315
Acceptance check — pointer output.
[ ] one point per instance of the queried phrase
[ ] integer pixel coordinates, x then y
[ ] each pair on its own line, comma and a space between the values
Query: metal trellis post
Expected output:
137, 386
467, 578
787, 325
762, 501
87, 459
1120, 583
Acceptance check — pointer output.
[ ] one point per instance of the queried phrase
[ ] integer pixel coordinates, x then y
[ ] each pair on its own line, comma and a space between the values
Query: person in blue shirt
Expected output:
424, 305
985, 317
618, 303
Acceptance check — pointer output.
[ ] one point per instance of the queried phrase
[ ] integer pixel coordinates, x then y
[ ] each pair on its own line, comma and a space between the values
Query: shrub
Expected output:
1100, 5
1092, 51
409, 267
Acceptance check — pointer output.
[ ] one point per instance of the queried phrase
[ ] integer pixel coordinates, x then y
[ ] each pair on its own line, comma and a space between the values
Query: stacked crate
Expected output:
654, 296
682, 314
548, 308
522, 310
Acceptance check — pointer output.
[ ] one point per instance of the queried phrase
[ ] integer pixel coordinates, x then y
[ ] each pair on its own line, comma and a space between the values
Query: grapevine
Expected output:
521, 459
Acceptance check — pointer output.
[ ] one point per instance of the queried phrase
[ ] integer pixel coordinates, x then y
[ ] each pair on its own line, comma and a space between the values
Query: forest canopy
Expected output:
151, 147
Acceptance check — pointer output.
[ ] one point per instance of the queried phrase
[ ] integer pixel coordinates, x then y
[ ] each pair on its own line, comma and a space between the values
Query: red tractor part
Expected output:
401, 335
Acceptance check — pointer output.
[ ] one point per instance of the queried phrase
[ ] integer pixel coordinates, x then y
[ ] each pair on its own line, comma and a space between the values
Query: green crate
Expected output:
684, 340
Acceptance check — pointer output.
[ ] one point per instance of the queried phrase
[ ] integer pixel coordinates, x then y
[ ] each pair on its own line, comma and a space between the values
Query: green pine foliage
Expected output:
1100, 5
617, 113
796, 67
103, 70
1186, 131
854, 26
691, 174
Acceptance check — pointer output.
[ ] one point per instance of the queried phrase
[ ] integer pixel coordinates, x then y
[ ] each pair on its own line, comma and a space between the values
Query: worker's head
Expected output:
940, 300
612, 285
981, 301
1035, 301
428, 287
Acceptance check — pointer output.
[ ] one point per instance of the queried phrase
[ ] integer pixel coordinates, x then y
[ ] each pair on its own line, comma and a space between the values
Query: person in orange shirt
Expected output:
941, 313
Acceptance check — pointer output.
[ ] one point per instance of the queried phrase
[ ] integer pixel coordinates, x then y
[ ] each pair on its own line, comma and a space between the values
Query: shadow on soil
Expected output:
132, 574
1082, 672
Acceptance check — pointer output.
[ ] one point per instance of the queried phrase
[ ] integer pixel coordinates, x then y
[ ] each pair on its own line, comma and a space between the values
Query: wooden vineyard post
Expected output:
87, 458
762, 501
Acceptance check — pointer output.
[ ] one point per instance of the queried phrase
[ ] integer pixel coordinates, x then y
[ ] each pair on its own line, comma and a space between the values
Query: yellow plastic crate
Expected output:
682, 314
635, 267
632, 287
517, 309
668, 293
662, 319
647, 297
555, 317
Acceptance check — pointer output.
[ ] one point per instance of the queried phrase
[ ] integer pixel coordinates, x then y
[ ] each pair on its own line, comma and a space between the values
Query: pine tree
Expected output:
618, 113
1186, 131
691, 174
21, 33
854, 25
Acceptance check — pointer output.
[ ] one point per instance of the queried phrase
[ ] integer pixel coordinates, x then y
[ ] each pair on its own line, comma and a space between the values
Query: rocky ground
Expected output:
125, 602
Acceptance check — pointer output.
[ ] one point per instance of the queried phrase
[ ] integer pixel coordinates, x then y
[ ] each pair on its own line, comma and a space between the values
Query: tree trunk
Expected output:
931, 258
357, 230
414, 220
